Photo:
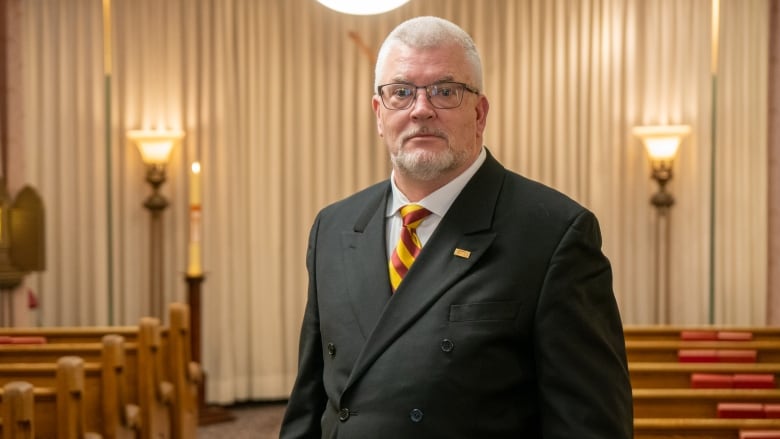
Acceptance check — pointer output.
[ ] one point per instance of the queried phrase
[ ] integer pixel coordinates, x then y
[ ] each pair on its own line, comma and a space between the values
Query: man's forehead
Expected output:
436, 64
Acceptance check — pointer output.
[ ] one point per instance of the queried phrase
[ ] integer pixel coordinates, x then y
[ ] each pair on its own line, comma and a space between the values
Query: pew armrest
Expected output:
194, 372
133, 416
165, 392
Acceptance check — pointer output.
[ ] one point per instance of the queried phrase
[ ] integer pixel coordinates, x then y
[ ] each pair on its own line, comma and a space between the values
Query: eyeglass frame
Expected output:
413, 98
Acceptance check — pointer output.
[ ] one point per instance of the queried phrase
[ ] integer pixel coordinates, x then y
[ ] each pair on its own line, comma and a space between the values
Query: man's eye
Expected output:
444, 91
402, 92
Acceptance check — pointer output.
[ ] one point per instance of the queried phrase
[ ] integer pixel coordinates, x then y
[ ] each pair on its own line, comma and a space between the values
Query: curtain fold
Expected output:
275, 100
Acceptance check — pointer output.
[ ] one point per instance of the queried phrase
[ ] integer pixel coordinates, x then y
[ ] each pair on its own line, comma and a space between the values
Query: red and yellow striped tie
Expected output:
409, 245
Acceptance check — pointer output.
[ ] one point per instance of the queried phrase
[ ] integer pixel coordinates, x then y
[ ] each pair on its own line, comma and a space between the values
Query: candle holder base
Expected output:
207, 414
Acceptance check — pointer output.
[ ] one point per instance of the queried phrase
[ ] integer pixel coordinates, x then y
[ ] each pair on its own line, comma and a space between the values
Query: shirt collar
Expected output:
440, 200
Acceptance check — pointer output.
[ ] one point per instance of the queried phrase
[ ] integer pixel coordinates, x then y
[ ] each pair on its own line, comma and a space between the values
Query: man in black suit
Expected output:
505, 325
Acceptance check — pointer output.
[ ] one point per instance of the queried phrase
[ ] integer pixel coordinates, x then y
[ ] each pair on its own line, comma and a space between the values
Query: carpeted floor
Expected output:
260, 420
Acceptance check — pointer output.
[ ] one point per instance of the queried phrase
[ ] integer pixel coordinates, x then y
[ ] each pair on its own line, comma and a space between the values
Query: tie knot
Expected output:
413, 214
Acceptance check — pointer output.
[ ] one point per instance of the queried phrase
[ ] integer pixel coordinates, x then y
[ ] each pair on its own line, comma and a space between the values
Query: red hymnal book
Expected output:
697, 355
754, 381
737, 355
759, 434
740, 410
735, 335
712, 381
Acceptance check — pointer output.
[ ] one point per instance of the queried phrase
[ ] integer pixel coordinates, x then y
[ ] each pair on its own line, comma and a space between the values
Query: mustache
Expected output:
424, 131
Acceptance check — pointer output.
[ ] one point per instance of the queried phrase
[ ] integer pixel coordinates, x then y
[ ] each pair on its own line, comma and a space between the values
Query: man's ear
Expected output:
377, 106
482, 111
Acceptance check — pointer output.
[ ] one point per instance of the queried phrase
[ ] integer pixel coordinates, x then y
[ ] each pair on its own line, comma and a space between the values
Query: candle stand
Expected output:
207, 414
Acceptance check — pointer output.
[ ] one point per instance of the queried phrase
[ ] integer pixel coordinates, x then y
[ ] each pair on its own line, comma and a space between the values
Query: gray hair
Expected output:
428, 32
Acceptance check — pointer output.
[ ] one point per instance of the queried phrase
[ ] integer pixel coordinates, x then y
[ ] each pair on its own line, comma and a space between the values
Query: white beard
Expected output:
426, 166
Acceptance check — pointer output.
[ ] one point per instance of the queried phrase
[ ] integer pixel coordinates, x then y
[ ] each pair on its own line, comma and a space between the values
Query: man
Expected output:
504, 326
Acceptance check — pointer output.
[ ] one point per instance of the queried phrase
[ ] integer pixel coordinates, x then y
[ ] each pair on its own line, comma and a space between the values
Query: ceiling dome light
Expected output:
362, 7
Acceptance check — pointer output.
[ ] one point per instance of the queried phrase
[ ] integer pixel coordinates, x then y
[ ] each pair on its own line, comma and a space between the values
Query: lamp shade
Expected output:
155, 146
662, 141
362, 7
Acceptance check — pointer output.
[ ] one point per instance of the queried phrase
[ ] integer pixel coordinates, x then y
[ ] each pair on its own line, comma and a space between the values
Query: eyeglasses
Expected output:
442, 95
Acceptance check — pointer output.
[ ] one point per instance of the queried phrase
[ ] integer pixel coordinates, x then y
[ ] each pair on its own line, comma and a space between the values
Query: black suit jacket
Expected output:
517, 335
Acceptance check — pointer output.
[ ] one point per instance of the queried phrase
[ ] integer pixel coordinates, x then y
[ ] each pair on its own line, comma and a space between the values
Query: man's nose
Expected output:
424, 107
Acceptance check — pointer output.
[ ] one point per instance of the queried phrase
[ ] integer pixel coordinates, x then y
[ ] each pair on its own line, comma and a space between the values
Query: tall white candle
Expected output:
195, 266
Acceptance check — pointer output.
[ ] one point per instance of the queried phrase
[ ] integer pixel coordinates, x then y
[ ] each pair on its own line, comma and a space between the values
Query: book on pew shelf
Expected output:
28, 339
759, 434
741, 410
704, 335
697, 356
754, 381
694, 335
737, 355
717, 355
772, 411
712, 381
734, 335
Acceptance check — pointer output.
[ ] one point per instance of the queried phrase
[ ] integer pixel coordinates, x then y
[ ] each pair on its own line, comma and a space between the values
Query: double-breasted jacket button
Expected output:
331, 349
447, 345
343, 414
416, 415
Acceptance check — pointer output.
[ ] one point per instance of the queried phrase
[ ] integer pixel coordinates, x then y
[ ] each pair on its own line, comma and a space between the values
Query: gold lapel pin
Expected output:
459, 252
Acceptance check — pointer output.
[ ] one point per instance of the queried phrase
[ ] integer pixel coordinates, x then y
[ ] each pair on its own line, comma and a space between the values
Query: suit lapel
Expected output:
465, 230
365, 256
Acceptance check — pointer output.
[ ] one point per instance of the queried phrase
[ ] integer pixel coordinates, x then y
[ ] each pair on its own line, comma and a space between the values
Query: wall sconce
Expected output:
662, 143
362, 7
155, 148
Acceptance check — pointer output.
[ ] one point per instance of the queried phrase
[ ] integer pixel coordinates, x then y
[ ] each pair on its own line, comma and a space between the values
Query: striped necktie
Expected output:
409, 245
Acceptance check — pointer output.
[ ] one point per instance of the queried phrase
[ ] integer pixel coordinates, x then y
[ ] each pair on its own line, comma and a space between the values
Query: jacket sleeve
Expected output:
308, 398
584, 386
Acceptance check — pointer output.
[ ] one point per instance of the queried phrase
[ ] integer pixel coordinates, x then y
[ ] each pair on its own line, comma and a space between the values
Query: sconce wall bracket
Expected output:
662, 173
155, 176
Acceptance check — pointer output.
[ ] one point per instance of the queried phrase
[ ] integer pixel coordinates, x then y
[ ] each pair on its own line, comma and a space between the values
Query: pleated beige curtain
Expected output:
62, 156
274, 97
741, 157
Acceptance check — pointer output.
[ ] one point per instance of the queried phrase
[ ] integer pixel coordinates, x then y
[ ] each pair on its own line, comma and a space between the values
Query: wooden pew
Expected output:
672, 332
664, 403
56, 412
90, 352
45, 378
79, 334
698, 428
169, 388
105, 365
114, 409
158, 360
765, 351
696, 403
678, 375
43, 374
